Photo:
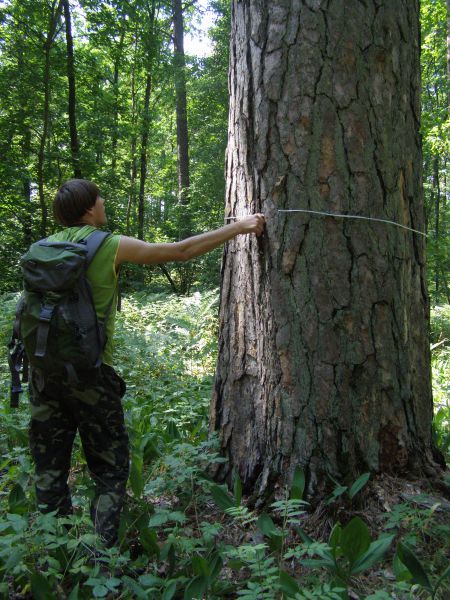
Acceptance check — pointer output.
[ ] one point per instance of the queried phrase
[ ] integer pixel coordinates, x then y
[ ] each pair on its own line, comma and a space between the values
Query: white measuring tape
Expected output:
341, 216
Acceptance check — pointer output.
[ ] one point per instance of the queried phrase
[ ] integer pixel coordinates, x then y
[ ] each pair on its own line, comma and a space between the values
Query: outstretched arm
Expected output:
143, 253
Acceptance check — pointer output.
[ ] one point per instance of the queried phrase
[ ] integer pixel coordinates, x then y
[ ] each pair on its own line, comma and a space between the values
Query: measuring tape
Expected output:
340, 216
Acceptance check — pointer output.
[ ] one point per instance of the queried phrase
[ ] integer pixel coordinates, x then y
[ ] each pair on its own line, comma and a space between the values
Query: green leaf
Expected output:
17, 500
276, 542
288, 584
151, 451
150, 580
112, 583
215, 565
137, 590
200, 566
40, 587
237, 488
312, 563
196, 588
221, 497
169, 590
14, 559
269, 529
401, 572
359, 484
338, 491
235, 564
267, 526
298, 484
147, 537
355, 539
99, 591
136, 476
165, 516
172, 431
74, 593
376, 551
304, 536
335, 537
445, 574
413, 565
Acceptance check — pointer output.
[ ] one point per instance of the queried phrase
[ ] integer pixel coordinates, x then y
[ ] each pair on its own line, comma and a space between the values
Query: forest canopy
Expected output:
121, 86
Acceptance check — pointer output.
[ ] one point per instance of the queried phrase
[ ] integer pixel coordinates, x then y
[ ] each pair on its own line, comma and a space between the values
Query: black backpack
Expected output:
56, 328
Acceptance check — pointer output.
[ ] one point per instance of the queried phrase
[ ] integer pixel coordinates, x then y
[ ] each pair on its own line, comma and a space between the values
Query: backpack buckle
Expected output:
46, 313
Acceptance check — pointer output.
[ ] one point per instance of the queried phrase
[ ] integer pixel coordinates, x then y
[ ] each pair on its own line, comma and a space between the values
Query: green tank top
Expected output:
101, 275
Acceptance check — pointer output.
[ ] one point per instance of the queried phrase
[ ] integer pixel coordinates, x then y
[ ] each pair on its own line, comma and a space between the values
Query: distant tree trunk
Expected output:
54, 17
150, 49
27, 228
25, 146
324, 357
448, 53
133, 161
115, 129
180, 91
143, 158
74, 145
437, 202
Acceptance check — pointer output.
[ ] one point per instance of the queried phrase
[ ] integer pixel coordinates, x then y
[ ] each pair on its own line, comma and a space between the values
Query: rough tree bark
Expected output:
324, 357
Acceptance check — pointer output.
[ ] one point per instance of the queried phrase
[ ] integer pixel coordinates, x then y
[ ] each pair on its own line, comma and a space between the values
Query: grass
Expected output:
182, 536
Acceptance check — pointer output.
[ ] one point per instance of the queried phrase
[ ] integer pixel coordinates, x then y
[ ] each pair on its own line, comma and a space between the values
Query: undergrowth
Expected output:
181, 535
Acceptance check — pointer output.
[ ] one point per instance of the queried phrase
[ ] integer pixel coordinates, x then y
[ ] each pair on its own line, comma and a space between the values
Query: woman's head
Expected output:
73, 199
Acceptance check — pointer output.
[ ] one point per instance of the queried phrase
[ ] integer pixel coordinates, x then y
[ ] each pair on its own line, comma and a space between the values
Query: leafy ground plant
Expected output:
183, 536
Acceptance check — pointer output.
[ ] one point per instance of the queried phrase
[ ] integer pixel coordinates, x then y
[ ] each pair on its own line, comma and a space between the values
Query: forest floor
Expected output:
182, 535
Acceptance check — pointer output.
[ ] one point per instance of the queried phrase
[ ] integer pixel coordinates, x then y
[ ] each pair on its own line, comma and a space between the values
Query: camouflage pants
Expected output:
94, 408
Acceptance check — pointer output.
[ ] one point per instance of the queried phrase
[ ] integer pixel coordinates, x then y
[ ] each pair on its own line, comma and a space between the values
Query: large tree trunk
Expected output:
324, 357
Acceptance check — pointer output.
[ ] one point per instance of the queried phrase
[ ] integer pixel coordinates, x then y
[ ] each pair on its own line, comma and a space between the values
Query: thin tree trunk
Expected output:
115, 130
54, 17
133, 166
132, 193
437, 201
26, 220
74, 144
146, 121
27, 227
448, 53
172, 283
143, 157
324, 358
181, 111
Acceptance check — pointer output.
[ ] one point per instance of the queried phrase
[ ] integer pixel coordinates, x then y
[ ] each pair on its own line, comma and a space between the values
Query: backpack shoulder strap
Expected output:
93, 243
